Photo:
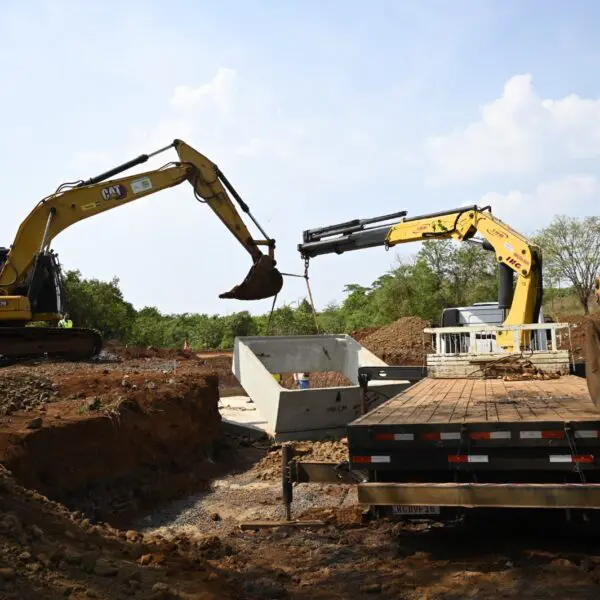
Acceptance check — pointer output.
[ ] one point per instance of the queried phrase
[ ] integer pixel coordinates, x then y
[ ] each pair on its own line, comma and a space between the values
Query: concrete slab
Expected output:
315, 413
240, 416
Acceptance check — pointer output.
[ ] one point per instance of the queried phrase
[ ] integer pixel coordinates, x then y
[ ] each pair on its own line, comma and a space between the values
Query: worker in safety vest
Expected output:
65, 321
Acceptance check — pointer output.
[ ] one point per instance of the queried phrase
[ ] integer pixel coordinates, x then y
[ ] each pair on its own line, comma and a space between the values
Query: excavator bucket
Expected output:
263, 281
592, 359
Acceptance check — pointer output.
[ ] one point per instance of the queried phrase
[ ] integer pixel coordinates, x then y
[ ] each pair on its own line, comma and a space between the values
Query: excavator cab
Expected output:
263, 281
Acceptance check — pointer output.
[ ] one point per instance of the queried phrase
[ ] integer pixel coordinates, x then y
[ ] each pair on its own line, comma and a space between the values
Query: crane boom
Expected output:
514, 253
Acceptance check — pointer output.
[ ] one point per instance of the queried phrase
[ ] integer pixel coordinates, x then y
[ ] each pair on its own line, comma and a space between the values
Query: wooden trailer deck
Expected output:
454, 401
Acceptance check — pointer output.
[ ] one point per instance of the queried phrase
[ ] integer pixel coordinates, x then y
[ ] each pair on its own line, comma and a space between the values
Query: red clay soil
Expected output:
576, 343
400, 343
218, 361
361, 334
111, 443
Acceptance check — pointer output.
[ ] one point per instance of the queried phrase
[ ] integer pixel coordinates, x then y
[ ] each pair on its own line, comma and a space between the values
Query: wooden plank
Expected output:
487, 400
256, 525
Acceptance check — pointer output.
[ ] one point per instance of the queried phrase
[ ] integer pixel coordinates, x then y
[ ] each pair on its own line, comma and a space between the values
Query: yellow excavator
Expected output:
31, 287
521, 302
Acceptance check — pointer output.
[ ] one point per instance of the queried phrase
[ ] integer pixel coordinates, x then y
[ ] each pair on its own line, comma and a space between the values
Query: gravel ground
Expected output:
24, 391
233, 500
500, 557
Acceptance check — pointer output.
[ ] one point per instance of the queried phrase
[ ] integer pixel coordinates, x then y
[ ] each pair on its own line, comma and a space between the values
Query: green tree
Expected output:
571, 253
99, 305
235, 325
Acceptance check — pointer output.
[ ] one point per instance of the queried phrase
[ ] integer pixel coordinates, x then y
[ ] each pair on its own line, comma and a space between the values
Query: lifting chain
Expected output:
310, 297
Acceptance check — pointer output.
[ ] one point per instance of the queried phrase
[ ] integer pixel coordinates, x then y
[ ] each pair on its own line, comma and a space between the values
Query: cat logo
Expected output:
114, 192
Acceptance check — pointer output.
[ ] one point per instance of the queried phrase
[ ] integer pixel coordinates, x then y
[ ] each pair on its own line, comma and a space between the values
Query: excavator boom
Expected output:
30, 282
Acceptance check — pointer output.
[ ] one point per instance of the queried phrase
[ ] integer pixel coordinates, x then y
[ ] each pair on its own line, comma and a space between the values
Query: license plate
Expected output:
415, 510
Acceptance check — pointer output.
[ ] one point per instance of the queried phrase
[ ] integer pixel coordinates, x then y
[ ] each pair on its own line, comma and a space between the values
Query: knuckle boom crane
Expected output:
30, 279
514, 254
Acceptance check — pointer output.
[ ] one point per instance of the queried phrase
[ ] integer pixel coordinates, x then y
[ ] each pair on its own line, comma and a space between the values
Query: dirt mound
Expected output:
400, 343
361, 334
270, 466
46, 552
576, 341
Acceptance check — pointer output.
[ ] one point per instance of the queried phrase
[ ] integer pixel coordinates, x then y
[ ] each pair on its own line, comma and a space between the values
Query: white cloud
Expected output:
519, 133
529, 211
219, 93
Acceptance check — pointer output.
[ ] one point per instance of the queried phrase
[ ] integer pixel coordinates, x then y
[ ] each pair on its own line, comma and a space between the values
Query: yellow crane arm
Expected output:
513, 252
75, 202
511, 249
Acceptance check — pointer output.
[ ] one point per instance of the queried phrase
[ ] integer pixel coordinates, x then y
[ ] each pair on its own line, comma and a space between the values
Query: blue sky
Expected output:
317, 111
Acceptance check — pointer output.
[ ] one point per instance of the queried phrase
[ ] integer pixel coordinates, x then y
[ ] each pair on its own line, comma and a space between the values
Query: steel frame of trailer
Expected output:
528, 463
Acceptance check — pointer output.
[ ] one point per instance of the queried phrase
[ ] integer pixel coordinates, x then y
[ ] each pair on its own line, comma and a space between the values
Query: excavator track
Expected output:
20, 343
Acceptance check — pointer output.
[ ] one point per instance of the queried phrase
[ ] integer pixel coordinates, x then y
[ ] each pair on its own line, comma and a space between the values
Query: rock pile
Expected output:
25, 391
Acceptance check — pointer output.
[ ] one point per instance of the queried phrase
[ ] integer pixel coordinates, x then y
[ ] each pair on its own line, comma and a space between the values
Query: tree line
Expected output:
442, 274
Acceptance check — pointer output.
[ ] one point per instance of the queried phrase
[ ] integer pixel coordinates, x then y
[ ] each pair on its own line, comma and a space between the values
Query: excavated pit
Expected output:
112, 442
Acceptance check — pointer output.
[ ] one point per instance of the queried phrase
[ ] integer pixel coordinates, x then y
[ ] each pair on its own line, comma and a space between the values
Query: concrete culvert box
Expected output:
314, 413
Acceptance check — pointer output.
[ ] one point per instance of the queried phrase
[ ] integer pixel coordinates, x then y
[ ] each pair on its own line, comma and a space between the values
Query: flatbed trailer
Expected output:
445, 444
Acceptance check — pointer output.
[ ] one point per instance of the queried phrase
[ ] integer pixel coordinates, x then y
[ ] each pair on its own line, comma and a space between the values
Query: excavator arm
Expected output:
97, 195
513, 253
